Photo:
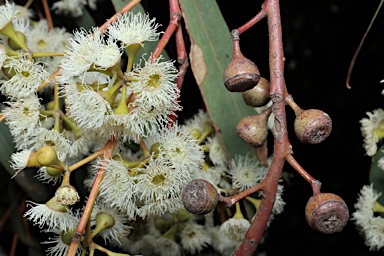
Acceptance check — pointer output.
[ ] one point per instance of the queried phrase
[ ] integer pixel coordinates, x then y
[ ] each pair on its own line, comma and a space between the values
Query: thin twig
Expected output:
48, 15
114, 18
108, 148
351, 65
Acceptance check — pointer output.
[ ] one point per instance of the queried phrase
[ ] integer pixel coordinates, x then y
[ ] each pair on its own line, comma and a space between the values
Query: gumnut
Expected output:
312, 126
241, 74
254, 129
200, 197
326, 213
258, 96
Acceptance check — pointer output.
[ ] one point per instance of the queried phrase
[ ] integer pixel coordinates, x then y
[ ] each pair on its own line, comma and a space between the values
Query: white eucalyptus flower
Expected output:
7, 13
133, 28
51, 215
26, 78
372, 131
246, 172
69, 7
156, 95
194, 238
369, 225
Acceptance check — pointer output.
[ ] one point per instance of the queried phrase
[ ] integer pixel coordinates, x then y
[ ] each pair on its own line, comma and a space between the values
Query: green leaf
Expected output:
25, 178
210, 53
376, 174
148, 46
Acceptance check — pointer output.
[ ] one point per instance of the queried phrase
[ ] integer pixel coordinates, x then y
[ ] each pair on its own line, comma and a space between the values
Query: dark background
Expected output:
320, 39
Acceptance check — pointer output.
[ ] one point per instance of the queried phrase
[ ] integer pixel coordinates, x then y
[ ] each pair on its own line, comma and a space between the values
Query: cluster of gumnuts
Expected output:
325, 212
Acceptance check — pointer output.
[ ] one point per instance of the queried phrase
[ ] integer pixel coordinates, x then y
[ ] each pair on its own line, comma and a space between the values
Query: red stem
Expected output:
230, 201
48, 15
114, 18
174, 22
108, 148
252, 22
299, 169
281, 142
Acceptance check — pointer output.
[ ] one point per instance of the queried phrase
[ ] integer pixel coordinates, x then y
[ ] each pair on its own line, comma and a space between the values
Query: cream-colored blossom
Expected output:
369, 225
368, 130
7, 13
194, 238
26, 78
133, 28
51, 215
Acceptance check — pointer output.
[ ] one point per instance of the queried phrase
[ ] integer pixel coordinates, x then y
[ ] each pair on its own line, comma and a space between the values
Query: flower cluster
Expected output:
80, 99
366, 217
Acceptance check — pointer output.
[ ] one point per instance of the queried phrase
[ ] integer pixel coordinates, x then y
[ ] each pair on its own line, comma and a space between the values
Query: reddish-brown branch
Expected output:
252, 22
5, 217
315, 184
230, 201
48, 15
15, 239
182, 58
281, 142
299, 169
108, 148
174, 22
114, 18
174, 27
180, 46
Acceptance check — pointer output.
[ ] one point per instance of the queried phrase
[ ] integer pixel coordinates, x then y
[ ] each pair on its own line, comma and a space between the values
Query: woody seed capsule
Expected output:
200, 197
241, 74
326, 213
312, 126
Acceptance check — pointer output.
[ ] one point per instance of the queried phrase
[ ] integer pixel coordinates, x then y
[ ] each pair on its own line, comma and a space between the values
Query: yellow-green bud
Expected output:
155, 148
103, 221
46, 155
195, 133
51, 171
50, 105
67, 237
15, 46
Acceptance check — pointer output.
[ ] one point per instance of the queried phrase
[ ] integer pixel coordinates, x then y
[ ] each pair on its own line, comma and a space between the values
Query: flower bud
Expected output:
54, 172
254, 129
46, 156
258, 96
326, 213
200, 197
155, 148
241, 74
312, 126
50, 106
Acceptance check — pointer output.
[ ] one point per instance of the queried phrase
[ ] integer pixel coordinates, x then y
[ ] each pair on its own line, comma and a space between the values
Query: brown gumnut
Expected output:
326, 213
258, 96
241, 74
254, 129
200, 197
312, 126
